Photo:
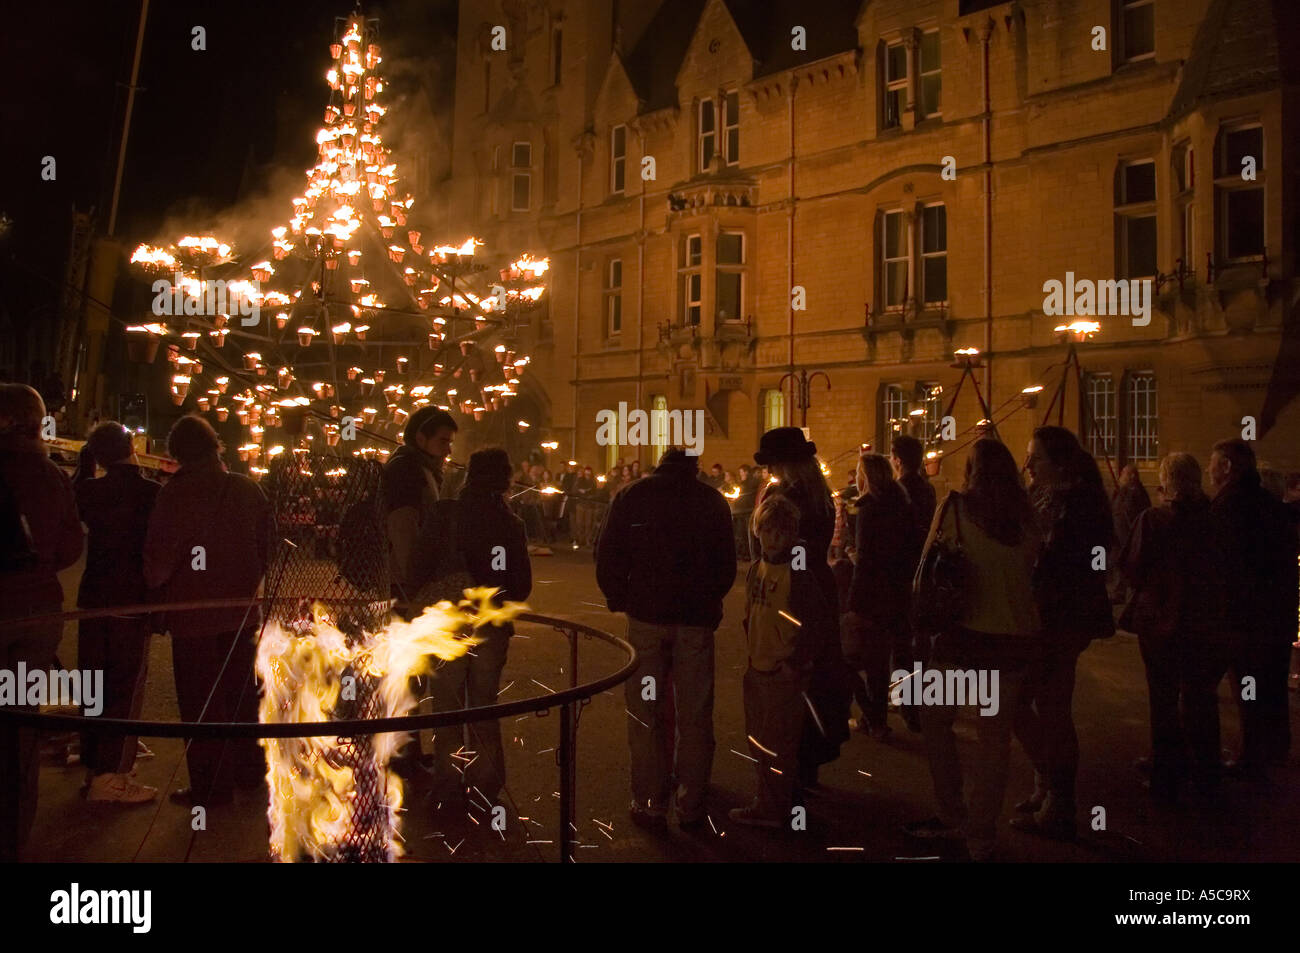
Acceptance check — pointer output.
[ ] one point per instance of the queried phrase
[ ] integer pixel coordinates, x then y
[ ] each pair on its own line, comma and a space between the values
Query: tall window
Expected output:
893, 258
731, 128
895, 408
557, 54
1137, 30
932, 400
773, 410
1143, 417
934, 253
729, 276
931, 75
614, 297
1135, 219
521, 191
617, 159
1099, 427
1184, 207
691, 279
612, 450
895, 88
658, 427
1240, 211
706, 134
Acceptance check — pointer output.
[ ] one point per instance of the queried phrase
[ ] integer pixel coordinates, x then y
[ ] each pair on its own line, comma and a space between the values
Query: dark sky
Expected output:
204, 121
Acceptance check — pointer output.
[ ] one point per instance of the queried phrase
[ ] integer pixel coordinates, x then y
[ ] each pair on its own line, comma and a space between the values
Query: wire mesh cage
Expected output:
330, 559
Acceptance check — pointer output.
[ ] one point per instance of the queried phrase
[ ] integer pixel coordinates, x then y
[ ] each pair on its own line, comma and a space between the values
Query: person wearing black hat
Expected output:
792, 459
666, 558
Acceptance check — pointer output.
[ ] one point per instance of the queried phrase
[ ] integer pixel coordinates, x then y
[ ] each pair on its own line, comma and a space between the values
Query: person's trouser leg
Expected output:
945, 763
212, 672
993, 757
1044, 723
877, 646
487, 771
118, 648
35, 648
647, 701
774, 713
447, 693
692, 671
1168, 748
1202, 669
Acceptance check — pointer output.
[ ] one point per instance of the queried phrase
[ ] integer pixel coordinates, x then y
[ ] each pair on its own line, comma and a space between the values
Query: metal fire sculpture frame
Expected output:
569, 701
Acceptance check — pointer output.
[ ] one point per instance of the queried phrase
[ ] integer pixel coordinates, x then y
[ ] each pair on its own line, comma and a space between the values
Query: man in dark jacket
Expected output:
115, 509
209, 538
1259, 546
907, 456
43, 537
412, 483
666, 557
477, 534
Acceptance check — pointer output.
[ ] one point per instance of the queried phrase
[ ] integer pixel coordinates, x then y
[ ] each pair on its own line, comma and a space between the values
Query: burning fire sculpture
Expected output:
333, 799
342, 260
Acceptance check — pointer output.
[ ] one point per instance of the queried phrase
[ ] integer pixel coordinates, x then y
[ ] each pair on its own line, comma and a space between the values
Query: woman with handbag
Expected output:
982, 544
1074, 518
474, 541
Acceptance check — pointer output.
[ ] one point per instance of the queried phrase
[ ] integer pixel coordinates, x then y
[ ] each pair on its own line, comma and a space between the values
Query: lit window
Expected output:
1099, 426
1143, 417
1184, 207
931, 395
934, 253
1135, 219
658, 427
931, 75
691, 280
773, 410
617, 159
894, 409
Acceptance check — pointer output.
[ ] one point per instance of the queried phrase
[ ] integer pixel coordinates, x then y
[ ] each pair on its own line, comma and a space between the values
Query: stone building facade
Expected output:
733, 191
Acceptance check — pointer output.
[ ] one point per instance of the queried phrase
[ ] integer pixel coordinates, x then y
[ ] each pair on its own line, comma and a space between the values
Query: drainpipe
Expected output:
640, 291
577, 299
789, 233
986, 34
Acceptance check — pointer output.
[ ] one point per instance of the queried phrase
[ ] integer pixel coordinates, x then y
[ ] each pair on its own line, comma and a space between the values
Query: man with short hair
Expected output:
115, 509
907, 456
412, 483
1258, 542
666, 557
209, 538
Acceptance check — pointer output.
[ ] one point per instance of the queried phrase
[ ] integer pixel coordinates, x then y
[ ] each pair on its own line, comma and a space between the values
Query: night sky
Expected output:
210, 128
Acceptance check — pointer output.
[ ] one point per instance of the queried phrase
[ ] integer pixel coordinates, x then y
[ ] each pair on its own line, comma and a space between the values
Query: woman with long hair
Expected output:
792, 460
998, 632
875, 626
1074, 519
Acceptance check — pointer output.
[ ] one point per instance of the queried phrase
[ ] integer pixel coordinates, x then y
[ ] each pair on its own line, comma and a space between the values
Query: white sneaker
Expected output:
120, 789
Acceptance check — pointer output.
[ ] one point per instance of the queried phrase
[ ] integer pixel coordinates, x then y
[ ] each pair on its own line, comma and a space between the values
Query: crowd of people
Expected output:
1208, 585
1208, 582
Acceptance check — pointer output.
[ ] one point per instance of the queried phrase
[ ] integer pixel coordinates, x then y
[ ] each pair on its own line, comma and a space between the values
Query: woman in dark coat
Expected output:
792, 459
1074, 607
878, 595
1173, 562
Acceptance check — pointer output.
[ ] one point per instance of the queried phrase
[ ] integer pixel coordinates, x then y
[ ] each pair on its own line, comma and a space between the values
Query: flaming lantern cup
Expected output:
222, 414
141, 345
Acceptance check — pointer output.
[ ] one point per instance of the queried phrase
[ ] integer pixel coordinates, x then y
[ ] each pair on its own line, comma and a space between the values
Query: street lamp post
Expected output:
803, 396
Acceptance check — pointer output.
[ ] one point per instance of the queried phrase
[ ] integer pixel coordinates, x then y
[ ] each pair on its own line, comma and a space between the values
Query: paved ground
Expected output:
869, 793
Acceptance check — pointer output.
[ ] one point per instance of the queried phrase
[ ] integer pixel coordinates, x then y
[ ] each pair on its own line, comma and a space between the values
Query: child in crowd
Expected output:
785, 615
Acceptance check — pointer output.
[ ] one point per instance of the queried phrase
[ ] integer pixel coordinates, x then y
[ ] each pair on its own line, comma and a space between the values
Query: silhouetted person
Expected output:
666, 558
1258, 541
1129, 501
116, 509
209, 538
41, 537
412, 483
1174, 565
